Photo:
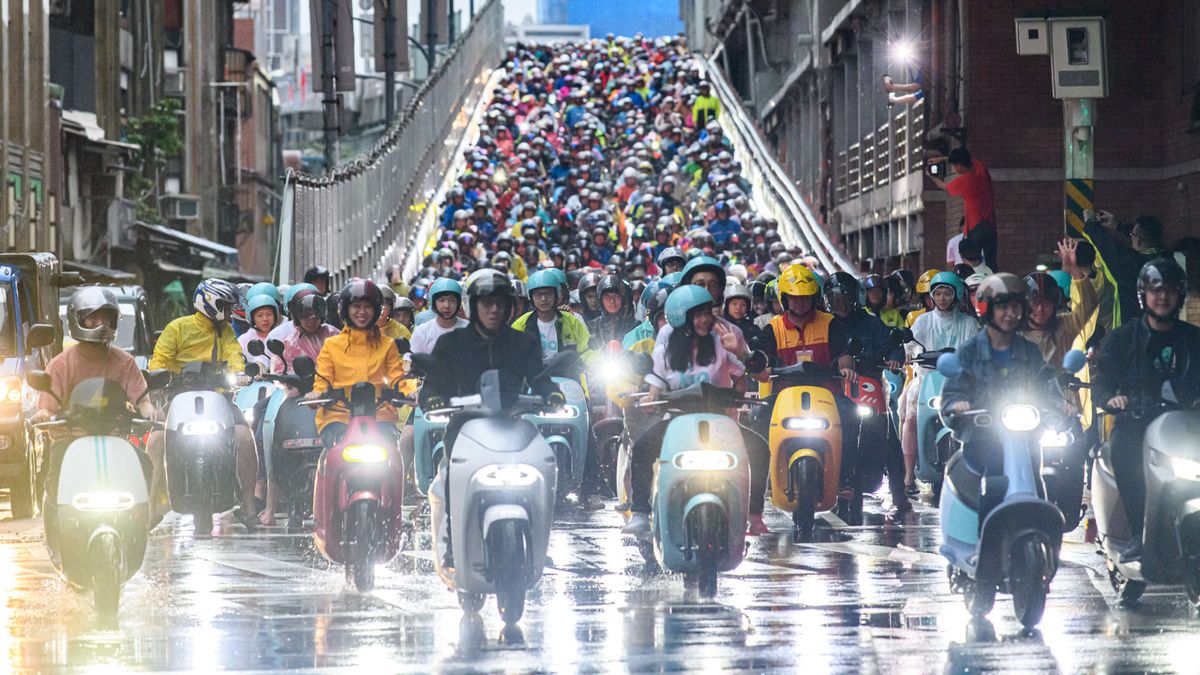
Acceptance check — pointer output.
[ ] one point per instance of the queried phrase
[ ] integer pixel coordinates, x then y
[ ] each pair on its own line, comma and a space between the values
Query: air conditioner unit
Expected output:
181, 207
173, 82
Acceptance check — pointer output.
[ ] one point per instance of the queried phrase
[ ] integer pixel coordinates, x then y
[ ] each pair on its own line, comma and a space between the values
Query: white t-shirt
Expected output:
983, 269
952, 249
549, 334
425, 336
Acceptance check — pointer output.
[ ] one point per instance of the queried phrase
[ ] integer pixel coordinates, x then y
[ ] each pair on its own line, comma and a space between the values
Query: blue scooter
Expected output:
567, 429
427, 446
1000, 532
701, 498
935, 443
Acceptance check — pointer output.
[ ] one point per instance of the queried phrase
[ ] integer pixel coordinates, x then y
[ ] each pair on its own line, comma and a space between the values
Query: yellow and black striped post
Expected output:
1078, 193
1079, 117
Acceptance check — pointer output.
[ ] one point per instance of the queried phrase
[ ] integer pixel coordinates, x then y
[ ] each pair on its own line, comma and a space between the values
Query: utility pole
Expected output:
430, 35
450, 22
389, 60
329, 10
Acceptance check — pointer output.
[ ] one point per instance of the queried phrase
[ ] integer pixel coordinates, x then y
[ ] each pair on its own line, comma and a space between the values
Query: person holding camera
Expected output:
1124, 261
973, 183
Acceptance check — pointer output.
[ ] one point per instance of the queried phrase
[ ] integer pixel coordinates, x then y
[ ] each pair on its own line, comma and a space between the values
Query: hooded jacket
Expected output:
351, 357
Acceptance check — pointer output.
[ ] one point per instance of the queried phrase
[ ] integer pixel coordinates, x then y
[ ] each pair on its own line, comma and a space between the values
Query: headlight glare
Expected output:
705, 460
102, 501
1187, 469
1020, 417
1056, 439
563, 413
805, 424
864, 410
364, 453
200, 428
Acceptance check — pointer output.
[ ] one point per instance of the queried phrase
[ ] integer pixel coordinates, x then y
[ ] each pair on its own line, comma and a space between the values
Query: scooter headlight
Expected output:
1187, 469
935, 402
364, 454
864, 410
200, 428
805, 424
437, 419
102, 501
610, 370
1057, 439
508, 475
1020, 417
705, 460
564, 413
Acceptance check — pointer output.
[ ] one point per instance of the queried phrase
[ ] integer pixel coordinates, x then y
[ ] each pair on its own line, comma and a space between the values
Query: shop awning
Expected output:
82, 123
177, 237
98, 274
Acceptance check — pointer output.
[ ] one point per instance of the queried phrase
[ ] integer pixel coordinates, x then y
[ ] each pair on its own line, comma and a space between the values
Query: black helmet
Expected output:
308, 305
487, 283
360, 290
1162, 273
587, 283
656, 305
316, 272
671, 253
612, 283
843, 283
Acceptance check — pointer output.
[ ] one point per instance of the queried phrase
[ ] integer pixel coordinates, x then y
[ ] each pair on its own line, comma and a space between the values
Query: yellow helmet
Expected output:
925, 279
797, 279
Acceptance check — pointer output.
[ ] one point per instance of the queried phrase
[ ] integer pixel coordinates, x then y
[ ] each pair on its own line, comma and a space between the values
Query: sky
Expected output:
515, 10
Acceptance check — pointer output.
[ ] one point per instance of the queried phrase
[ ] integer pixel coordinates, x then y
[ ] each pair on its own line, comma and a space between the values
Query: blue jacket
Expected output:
722, 230
982, 384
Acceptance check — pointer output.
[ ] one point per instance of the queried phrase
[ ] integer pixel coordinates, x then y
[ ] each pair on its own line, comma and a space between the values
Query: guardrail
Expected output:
362, 217
774, 193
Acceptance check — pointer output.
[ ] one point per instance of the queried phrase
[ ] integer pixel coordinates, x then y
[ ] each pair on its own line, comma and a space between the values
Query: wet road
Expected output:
869, 599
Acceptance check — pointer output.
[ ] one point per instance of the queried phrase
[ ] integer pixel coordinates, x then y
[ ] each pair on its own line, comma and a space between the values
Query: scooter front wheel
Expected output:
361, 566
1029, 580
979, 598
706, 581
470, 602
107, 576
511, 603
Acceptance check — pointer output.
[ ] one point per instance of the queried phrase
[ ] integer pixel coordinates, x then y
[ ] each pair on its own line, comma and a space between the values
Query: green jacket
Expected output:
572, 332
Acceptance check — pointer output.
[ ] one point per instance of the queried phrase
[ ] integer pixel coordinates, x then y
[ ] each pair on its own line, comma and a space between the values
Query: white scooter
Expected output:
501, 481
97, 510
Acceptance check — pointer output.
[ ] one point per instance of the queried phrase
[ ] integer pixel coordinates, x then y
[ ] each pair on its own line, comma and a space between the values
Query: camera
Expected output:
938, 169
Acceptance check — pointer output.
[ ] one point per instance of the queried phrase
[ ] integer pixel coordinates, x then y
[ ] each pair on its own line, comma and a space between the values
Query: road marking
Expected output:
833, 520
906, 556
253, 563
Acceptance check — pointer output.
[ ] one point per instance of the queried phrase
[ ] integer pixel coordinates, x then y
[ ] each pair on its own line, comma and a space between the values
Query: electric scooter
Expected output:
999, 531
1171, 534
495, 498
359, 487
701, 498
935, 443
97, 516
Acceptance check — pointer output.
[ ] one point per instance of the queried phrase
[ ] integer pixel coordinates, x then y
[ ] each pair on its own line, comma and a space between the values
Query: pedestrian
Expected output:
952, 256
971, 254
1124, 259
974, 184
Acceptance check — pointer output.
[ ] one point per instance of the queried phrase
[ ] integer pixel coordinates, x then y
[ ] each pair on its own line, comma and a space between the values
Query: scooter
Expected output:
201, 452
1171, 535
359, 487
608, 427
567, 429
248, 396
701, 498
428, 431
501, 488
99, 515
935, 443
999, 531
806, 445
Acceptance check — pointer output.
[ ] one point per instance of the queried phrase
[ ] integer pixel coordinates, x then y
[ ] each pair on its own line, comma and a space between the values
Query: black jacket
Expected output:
1134, 362
869, 332
1123, 265
462, 355
609, 328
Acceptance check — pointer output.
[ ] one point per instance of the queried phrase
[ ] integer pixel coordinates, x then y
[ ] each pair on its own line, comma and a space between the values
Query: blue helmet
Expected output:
949, 279
424, 316
671, 280
257, 302
445, 285
215, 299
541, 279
1063, 279
683, 300
558, 275
265, 288
703, 263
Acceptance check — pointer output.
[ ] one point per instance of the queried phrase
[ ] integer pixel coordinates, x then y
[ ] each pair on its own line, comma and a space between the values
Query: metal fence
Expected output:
882, 156
363, 216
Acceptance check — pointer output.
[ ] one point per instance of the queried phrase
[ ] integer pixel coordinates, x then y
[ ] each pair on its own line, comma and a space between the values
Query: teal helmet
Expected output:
257, 302
444, 285
1063, 279
541, 279
949, 279
683, 300
265, 288
424, 316
557, 274
671, 280
703, 263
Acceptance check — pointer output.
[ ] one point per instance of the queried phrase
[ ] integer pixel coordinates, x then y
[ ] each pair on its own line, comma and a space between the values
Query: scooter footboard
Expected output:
1010, 522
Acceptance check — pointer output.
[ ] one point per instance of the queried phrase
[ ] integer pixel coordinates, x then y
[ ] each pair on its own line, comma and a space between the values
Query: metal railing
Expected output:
883, 156
774, 192
362, 217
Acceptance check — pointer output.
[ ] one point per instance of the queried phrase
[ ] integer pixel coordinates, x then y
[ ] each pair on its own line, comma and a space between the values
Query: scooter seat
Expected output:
963, 480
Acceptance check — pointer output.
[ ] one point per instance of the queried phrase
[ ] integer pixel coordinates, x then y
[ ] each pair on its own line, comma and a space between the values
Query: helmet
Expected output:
998, 289
519, 289
1063, 279
487, 283
844, 283
905, 281
974, 280
611, 283
656, 304
963, 270
389, 296
1160, 273
587, 283
1042, 285
798, 280
559, 276
541, 279
671, 253
771, 294
671, 280
258, 302
444, 285
738, 291
948, 279
87, 301
683, 300
874, 281
293, 291
424, 316
215, 298
316, 272
308, 305
405, 303
265, 288
706, 264
922, 285
358, 290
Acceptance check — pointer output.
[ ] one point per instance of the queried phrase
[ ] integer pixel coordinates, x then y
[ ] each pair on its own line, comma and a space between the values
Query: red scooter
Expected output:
359, 488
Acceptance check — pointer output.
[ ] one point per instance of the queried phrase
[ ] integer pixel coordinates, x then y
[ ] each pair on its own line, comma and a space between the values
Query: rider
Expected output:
922, 292
492, 346
1135, 361
445, 297
996, 362
321, 279
360, 353
587, 295
737, 310
308, 315
671, 260
1054, 332
263, 313
92, 314
405, 313
616, 306
558, 329
879, 303
207, 336
388, 326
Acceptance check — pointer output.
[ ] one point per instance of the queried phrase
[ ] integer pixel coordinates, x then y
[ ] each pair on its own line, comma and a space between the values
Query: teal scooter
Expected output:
935, 443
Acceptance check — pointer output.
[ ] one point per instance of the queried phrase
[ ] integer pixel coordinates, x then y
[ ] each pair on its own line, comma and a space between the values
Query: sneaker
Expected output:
592, 503
622, 507
756, 526
638, 526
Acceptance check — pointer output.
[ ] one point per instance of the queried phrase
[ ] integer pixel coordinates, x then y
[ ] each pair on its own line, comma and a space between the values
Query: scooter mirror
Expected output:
39, 335
1074, 361
949, 365
756, 363
422, 364
275, 347
252, 370
256, 348
39, 380
304, 367
156, 379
